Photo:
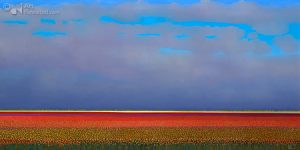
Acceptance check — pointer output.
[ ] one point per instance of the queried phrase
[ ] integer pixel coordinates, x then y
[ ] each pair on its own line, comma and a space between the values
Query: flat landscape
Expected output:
109, 127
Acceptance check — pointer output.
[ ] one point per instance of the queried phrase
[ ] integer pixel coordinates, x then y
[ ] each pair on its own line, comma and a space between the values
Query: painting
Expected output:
150, 74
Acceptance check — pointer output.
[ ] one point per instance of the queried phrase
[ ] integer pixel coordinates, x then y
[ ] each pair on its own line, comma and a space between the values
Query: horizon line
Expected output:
160, 111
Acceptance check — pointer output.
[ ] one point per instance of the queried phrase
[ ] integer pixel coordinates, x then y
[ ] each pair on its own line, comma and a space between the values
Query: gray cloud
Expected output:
106, 66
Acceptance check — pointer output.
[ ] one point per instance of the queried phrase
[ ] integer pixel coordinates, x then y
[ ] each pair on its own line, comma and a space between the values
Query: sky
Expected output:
150, 54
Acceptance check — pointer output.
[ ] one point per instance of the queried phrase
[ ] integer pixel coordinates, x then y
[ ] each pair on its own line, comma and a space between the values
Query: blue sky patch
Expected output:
148, 35
294, 30
48, 33
47, 21
152, 20
210, 36
17, 22
171, 51
269, 40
